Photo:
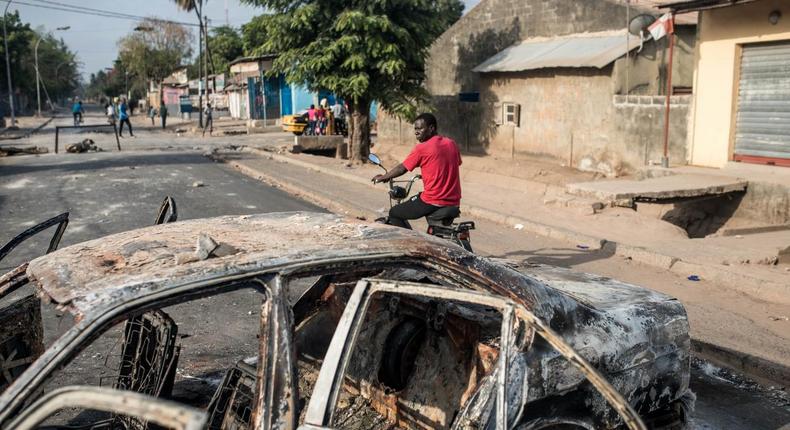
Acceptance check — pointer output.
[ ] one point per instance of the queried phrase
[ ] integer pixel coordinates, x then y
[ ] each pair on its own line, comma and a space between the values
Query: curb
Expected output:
752, 286
759, 369
315, 198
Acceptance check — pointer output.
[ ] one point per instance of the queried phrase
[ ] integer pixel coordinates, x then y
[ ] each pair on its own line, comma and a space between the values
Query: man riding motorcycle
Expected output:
439, 160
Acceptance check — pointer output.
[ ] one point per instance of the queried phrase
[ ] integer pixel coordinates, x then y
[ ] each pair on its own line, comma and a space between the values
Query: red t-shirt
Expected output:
438, 158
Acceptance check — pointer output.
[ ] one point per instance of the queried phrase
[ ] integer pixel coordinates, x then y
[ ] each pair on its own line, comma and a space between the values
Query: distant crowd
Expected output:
320, 118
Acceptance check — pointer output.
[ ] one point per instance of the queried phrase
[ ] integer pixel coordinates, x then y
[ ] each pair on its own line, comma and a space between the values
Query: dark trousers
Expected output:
413, 208
209, 124
164, 121
120, 128
77, 118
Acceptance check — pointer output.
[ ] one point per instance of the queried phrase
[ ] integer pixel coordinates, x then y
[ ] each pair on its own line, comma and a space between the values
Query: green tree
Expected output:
362, 50
107, 84
57, 67
224, 46
254, 35
57, 64
155, 50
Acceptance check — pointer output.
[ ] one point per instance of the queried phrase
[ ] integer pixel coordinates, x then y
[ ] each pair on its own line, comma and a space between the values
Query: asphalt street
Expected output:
112, 191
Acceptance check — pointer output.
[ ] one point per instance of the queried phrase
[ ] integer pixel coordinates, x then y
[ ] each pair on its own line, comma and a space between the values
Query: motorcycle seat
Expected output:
443, 216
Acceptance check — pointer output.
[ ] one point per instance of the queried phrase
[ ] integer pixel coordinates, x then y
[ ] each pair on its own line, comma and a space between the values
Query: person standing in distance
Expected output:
163, 115
439, 161
208, 113
123, 118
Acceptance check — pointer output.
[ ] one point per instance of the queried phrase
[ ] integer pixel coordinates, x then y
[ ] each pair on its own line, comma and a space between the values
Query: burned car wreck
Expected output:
347, 325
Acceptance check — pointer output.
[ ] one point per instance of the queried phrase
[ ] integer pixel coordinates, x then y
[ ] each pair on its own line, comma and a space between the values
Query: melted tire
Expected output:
400, 351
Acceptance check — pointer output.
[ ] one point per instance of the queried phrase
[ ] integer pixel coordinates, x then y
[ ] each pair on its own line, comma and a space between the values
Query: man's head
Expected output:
425, 127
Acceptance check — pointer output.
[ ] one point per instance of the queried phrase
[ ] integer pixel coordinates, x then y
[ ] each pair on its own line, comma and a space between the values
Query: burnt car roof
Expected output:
88, 273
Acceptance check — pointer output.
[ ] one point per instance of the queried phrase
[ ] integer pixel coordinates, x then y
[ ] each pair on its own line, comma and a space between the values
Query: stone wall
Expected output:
558, 105
568, 115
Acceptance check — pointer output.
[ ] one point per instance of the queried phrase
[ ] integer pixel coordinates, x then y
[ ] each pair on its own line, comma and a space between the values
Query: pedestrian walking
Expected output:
152, 115
123, 117
163, 115
77, 111
339, 113
320, 115
311, 120
209, 121
109, 110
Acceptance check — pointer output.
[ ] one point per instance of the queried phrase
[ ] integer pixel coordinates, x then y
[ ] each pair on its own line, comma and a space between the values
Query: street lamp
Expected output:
8, 66
38, 75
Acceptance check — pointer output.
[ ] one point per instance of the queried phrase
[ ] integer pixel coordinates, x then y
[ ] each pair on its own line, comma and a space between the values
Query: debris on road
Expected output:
197, 184
8, 151
694, 278
81, 147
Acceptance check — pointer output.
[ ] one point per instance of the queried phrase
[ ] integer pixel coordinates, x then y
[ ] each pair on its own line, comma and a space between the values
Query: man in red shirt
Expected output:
438, 159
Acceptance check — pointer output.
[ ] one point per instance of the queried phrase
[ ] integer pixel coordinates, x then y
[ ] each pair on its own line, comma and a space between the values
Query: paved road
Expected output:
110, 192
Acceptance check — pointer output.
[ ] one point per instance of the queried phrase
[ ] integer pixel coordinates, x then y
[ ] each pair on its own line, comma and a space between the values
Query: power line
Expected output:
83, 8
94, 12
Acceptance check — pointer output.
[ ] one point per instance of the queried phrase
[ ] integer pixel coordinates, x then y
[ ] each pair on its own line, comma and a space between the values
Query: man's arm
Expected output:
396, 171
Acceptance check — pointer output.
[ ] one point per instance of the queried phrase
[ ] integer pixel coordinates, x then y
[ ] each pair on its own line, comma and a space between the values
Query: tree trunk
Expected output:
359, 134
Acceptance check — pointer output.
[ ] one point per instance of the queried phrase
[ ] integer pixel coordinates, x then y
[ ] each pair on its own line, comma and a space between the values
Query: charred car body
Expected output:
359, 325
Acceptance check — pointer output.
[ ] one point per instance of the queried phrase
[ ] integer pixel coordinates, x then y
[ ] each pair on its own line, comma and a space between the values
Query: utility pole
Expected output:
200, 63
38, 74
205, 58
8, 66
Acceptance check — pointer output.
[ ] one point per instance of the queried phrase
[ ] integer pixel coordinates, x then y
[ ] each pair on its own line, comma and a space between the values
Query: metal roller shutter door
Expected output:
762, 132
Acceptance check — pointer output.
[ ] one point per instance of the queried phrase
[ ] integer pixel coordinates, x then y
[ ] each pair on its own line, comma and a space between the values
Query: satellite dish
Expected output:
640, 23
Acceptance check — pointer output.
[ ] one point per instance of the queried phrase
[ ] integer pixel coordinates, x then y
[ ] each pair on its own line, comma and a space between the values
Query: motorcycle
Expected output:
441, 223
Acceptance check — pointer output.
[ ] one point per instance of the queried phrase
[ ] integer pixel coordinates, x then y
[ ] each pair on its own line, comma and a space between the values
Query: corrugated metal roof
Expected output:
575, 50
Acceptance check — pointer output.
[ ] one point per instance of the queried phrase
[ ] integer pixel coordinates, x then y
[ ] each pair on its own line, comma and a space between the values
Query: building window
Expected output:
511, 113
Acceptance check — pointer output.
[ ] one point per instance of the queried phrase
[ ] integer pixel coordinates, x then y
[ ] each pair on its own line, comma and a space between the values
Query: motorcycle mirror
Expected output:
373, 158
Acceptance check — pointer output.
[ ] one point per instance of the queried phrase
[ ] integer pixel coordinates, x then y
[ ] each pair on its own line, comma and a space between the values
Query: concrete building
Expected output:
551, 78
253, 95
171, 89
742, 84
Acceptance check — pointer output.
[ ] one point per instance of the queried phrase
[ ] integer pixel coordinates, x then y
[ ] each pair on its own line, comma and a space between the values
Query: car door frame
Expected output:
93, 325
148, 409
320, 409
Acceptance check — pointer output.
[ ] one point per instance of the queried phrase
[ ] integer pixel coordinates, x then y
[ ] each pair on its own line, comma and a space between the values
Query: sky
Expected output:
94, 38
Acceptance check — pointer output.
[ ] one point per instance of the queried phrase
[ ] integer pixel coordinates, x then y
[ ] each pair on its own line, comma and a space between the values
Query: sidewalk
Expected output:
544, 209
746, 333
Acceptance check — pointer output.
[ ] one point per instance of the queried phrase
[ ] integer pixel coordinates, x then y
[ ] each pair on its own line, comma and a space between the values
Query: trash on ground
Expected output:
81, 147
13, 150
694, 278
